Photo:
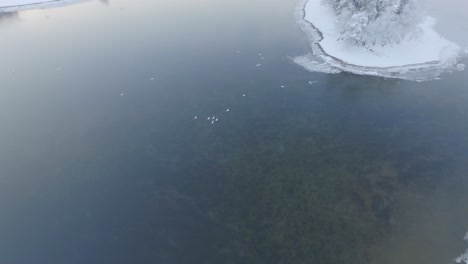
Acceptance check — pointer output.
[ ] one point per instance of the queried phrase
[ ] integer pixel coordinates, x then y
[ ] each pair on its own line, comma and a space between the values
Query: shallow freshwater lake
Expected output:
155, 131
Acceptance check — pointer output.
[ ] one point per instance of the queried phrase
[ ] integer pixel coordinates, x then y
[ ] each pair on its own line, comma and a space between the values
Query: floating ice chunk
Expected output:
466, 236
195, 117
243, 95
259, 54
58, 69
152, 78
122, 94
312, 82
258, 65
216, 119
282, 86
238, 51
208, 118
212, 122
227, 110
262, 58
462, 258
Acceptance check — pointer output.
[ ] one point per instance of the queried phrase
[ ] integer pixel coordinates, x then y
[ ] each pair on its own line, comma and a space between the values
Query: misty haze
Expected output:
253, 132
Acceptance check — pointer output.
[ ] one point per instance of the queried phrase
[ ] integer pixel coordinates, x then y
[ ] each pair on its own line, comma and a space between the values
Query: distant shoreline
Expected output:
22, 5
29, 4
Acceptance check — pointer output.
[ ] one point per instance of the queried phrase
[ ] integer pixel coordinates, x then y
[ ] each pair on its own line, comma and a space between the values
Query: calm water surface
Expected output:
103, 161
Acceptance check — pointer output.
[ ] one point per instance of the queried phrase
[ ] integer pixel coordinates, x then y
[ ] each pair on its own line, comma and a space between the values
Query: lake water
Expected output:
107, 154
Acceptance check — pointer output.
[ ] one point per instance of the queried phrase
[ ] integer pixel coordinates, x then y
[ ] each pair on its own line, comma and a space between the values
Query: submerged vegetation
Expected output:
307, 208
296, 186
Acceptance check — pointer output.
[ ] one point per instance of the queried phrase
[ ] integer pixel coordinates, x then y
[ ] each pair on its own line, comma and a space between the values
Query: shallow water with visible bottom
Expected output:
182, 132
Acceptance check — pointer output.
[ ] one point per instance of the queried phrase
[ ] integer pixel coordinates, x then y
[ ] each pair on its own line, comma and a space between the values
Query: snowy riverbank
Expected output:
421, 58
19, 5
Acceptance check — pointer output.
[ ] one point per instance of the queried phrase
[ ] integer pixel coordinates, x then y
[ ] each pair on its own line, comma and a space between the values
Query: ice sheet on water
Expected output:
310, 63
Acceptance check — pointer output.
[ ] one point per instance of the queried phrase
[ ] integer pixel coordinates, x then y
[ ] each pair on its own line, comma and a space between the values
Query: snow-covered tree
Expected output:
377, 22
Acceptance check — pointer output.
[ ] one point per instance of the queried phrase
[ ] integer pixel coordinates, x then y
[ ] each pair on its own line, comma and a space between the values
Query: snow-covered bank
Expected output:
422, 58
19, 5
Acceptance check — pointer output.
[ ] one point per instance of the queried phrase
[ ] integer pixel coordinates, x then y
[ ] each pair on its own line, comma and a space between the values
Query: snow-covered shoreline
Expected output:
20, 5
424, 58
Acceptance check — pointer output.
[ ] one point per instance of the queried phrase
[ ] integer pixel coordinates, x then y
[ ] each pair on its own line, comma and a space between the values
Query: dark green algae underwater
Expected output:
321, 173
